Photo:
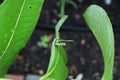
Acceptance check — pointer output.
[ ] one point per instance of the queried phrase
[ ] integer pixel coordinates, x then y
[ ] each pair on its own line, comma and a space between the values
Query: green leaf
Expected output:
45, 38
17, 22
57, 69
100, 25
5, 79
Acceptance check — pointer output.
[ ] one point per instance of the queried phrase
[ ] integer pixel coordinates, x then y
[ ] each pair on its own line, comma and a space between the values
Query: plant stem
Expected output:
62, 11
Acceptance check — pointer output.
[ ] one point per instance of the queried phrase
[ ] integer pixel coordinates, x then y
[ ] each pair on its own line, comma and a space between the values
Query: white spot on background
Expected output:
108, 2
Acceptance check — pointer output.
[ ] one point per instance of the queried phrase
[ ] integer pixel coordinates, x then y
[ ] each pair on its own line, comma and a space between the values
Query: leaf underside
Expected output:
17, 22
100, 25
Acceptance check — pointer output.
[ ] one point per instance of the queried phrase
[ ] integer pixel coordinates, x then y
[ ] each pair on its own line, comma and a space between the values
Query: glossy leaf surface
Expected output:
100, 25
17, 22
57, 69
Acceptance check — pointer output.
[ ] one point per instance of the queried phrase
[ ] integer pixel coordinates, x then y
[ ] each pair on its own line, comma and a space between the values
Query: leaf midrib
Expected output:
49, 73
11, 38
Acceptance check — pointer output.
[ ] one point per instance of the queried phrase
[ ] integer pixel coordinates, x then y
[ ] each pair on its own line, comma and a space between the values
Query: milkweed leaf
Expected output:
17, 22
57, 69
100, 25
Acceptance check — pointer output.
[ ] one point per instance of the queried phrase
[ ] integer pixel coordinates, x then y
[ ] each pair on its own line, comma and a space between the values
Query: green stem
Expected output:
59, 24
62, 11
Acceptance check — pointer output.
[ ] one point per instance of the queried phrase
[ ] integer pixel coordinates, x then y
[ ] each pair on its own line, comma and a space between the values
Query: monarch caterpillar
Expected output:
60, 44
